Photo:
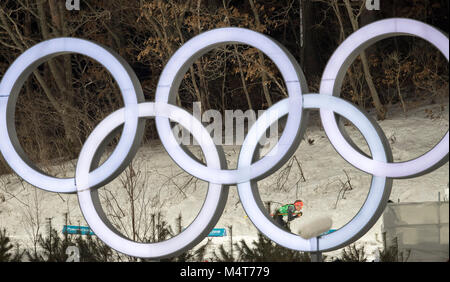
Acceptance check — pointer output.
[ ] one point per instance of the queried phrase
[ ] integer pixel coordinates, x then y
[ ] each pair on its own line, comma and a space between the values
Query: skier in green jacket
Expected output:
292, 211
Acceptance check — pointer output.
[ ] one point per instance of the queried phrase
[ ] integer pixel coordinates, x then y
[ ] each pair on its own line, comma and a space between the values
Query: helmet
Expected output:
298, 203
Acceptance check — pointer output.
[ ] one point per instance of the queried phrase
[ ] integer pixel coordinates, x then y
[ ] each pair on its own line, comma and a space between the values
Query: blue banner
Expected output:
218, 232
81, 230
84, 230
328, 232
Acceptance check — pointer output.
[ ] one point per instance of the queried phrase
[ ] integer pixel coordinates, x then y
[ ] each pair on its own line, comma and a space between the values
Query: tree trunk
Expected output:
381, 110
310, 62
244, 83
71, 132
237, 56
261, 58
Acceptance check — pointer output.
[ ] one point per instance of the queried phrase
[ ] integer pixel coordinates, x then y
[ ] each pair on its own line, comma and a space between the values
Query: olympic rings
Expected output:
249, 170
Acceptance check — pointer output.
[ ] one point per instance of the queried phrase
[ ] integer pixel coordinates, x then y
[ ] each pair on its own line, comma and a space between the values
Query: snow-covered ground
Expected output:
164, 186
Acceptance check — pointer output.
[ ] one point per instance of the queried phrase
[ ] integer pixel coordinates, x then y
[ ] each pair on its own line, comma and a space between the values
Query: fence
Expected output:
419, 229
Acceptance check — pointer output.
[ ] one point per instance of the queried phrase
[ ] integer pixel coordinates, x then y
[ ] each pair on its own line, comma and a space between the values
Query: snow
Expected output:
162, 184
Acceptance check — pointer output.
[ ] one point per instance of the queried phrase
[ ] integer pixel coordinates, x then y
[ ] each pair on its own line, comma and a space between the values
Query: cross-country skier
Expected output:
292, 211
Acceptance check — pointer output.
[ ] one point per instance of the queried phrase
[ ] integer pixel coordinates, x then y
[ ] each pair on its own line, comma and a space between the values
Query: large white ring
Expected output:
90, 204
11, 85
369, 213
332, 82
174, 72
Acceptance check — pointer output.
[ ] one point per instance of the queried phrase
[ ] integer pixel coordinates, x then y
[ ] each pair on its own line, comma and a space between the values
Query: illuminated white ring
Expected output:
174, 72
366, 217
12, 83
331, 84
91, 208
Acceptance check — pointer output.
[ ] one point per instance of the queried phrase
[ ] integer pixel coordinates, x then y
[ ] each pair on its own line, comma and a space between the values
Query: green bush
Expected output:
261, 250
6, 247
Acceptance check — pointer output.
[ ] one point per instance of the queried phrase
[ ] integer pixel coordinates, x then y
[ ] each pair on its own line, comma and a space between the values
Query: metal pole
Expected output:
439, 219
317, 255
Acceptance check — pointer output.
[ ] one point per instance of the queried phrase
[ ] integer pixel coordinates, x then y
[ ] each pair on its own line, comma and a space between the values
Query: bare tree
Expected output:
381, 110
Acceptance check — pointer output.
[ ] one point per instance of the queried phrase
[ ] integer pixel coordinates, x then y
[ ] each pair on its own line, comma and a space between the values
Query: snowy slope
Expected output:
162, 183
